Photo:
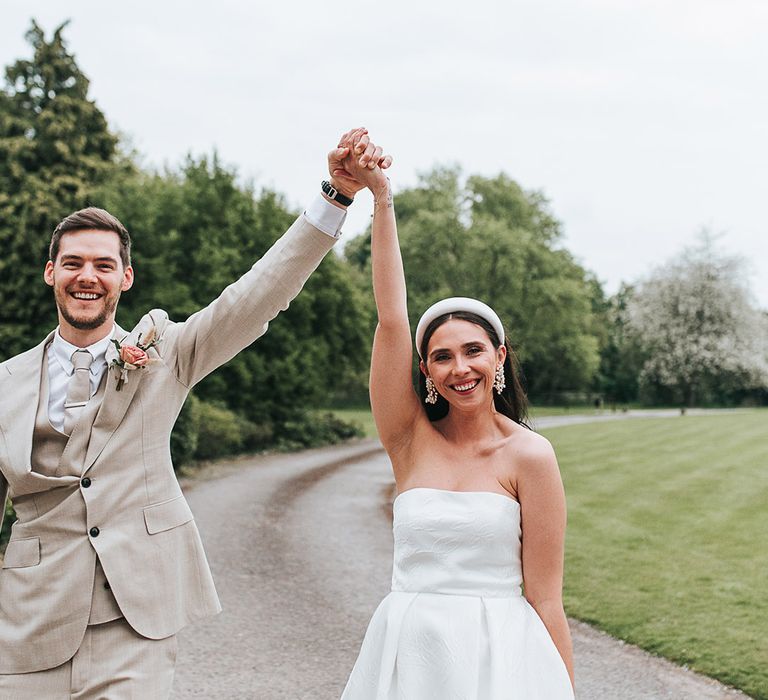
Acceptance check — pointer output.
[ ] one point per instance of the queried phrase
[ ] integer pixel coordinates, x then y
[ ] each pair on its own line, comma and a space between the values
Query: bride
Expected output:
475, 611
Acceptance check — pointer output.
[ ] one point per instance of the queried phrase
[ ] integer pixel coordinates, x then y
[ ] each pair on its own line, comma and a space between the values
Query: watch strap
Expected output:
332, 193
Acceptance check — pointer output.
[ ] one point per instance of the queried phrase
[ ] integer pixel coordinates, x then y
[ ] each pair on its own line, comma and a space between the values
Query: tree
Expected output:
621, 355
698, 325
55, 147
489, 238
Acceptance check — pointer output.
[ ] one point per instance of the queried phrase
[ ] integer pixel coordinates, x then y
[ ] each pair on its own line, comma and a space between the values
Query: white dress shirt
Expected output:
60, 369
326, 216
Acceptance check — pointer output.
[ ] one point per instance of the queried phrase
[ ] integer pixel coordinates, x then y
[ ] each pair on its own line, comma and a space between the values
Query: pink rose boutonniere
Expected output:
130, 357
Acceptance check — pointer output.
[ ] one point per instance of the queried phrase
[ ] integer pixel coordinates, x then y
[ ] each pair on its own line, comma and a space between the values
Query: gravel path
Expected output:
301, 549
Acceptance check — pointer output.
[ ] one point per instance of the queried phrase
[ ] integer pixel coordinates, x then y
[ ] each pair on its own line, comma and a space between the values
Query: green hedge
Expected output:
207, 430
314, 430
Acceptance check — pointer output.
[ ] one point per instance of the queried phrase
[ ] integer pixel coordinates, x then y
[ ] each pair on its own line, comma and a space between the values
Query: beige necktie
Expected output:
78, 389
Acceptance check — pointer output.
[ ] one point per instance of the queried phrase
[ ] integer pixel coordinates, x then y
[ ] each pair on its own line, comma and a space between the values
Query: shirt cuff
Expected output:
326, 216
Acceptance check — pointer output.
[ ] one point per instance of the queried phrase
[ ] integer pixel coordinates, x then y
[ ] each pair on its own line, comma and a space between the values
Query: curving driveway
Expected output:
300, 547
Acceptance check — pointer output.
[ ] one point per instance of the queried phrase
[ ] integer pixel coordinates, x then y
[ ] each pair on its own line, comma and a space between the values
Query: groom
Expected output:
105, 563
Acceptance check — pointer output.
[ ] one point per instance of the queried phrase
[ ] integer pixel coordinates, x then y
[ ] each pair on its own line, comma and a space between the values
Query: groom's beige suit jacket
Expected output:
147, 542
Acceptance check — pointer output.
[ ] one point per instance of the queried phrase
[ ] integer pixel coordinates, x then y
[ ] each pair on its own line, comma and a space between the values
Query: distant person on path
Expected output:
105, 564
480, 514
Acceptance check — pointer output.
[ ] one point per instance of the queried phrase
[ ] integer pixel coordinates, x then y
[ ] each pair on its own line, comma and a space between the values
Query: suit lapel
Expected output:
19, 407
113, 406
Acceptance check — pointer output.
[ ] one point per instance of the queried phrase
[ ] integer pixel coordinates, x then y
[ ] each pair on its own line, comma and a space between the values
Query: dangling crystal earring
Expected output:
431, 396
499, 382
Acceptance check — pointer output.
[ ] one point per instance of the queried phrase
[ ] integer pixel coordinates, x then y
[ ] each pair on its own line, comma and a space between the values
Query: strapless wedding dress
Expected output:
455, 626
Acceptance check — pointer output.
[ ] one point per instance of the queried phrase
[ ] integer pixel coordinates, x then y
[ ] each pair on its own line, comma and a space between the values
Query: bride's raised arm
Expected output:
394, 402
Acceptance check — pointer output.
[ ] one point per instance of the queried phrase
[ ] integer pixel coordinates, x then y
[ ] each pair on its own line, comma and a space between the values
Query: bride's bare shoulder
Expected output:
530, 450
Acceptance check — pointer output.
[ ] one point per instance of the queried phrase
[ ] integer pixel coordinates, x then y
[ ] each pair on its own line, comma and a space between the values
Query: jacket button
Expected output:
94, 532
85, 483
106, 585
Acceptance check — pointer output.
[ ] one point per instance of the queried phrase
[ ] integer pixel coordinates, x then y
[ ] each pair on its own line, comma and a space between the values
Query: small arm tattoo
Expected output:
384, 201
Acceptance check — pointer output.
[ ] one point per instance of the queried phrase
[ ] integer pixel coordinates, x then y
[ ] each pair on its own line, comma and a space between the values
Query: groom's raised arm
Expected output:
242, 312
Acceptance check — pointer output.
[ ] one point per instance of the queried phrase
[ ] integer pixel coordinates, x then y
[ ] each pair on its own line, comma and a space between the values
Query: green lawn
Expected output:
363, 417
541, 411
667, 543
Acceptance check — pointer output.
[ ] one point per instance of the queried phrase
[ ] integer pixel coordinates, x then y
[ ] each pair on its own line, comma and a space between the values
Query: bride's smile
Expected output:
466, 387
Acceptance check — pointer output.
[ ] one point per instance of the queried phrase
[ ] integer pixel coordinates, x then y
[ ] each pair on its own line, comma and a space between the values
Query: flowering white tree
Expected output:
696, 321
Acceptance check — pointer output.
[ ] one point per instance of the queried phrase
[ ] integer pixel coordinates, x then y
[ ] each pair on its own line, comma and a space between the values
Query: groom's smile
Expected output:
85, 305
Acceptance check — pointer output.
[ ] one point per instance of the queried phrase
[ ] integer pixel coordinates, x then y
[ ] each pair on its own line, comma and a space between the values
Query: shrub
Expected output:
315, 430
256, 436
207, 430
220, 432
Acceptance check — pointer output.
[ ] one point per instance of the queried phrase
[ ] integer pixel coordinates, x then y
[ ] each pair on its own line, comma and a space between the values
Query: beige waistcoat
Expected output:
48, 445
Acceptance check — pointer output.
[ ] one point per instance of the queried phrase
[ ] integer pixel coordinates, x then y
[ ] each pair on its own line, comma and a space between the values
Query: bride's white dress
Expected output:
455, 626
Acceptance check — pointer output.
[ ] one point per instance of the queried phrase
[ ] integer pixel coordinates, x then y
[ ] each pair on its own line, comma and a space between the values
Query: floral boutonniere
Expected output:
130, 357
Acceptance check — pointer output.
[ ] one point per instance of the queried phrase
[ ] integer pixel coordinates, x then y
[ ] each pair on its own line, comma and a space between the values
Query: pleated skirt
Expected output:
432, 646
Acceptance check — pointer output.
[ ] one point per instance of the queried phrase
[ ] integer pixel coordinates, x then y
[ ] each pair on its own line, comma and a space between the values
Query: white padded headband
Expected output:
451, 305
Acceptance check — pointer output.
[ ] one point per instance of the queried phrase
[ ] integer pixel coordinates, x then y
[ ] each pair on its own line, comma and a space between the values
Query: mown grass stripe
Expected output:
667, 543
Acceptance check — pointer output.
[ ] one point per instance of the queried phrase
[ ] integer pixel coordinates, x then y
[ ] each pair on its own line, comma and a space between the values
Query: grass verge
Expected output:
666, 544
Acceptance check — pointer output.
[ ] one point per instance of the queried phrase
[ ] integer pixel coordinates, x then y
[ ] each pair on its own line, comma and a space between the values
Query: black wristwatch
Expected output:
332, 193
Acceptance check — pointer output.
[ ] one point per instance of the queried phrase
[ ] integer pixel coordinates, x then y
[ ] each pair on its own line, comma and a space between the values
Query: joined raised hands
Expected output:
358, 163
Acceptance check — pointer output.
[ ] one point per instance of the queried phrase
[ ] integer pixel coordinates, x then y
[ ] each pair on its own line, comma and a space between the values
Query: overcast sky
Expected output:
641, 121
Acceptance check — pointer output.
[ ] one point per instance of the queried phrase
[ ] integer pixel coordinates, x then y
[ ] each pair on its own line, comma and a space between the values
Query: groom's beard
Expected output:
85, 321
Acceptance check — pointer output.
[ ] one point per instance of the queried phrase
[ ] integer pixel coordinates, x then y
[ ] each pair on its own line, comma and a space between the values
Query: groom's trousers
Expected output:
112, 663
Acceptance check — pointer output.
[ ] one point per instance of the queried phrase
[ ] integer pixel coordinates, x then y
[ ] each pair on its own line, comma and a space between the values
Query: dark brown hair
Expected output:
92, 218
512, 401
